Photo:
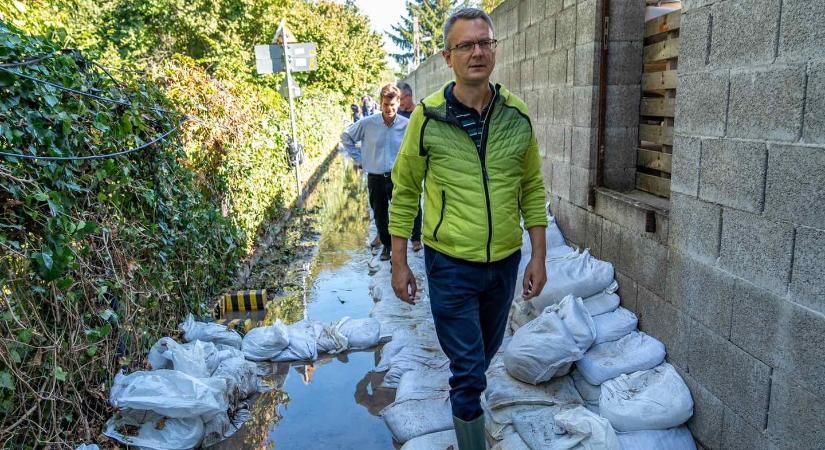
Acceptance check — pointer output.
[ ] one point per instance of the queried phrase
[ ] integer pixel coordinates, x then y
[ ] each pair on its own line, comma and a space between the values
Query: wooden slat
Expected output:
661, 107
659, 81
662, 50
655, 185
660, 134
654, 160
663, 24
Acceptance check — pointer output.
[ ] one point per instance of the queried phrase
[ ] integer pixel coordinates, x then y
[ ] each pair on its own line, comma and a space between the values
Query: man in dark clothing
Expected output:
406, 108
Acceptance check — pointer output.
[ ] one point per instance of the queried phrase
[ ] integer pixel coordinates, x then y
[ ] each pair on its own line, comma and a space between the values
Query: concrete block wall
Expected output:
731, 280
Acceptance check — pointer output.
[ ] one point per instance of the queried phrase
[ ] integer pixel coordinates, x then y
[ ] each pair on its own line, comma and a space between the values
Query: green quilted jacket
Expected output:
473, 199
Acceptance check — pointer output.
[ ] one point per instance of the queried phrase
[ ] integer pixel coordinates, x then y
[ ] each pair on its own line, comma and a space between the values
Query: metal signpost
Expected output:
286, 55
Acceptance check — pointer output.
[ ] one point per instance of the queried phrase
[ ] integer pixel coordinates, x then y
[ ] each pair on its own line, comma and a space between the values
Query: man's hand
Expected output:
403, 283
535, 277
357, 168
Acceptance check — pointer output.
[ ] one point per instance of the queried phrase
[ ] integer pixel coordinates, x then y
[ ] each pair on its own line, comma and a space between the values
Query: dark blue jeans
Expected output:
470, 303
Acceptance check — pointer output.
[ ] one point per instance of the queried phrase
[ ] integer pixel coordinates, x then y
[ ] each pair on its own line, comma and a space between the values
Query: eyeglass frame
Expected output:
490, 43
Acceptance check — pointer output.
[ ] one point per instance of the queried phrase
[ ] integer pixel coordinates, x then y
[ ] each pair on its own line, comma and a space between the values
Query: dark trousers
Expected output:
380, 191
470, 304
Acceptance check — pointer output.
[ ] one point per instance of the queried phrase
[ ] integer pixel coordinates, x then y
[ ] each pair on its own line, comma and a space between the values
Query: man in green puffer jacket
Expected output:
473, 146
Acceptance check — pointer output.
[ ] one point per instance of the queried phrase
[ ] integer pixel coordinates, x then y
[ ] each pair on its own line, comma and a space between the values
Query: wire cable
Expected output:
103, 156
36, 59
64, 88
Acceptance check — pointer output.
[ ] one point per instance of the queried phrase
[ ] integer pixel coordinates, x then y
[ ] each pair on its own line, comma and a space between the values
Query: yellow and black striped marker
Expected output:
244, 301
238, 324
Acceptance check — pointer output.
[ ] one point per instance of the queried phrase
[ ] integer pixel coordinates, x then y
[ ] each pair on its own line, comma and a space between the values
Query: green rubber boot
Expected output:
470, 435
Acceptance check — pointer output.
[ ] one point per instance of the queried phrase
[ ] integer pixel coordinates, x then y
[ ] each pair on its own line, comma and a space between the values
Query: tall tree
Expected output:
431, 15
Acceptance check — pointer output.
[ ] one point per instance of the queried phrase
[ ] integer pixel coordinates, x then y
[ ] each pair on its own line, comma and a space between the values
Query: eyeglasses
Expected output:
467, 47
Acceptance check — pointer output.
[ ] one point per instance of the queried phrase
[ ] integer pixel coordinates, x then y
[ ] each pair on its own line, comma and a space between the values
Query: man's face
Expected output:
476, 65
389, 107
407, 103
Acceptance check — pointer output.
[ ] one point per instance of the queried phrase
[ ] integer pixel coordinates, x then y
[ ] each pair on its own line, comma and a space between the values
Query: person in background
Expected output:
472, 144
356, 113
366, 106
406, 109
380, 136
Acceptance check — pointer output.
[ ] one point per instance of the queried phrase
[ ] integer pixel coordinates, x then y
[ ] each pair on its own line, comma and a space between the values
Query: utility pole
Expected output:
292, 145
416, 43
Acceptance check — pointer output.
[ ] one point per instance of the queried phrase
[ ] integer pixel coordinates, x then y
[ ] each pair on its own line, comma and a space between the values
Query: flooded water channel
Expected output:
334, 402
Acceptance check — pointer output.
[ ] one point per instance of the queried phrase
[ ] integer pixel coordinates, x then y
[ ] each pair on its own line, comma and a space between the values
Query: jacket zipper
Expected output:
482, 153
441, 219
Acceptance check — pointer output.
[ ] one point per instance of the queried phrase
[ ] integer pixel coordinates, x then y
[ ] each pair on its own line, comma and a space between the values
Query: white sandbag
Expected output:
422, 335
414, 357
216, 429
499, 422
360, 333
88, 447
190, 358
654, 399
504, 390
155, 432
590, 392
678, 438
577, 274
440, 440
537, 428
511, 441
604, 301
634, 352
614, 325
584, 430
224, 352
209, 332
413, 417
169, 393
423, 384
393, 314
303, 343
546, 346
264, 343
241, 378
328, 339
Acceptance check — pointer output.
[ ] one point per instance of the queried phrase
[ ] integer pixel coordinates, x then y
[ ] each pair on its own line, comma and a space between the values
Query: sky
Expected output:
383, 15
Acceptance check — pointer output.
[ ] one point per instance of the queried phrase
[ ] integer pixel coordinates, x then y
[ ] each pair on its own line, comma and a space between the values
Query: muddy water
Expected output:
332, 403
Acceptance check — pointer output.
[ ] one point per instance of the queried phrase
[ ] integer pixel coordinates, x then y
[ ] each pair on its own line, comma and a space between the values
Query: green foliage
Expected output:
490, 5
98, 257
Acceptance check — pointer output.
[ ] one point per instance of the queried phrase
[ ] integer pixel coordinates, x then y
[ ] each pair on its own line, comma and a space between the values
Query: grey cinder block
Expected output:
558, 68
796, 185
561, 180
814, 129
571, 66
566, 29
558, 142
767, 104
552, 7
588, 21
738, 379
624, 63
685, 166
586, 64
807, 280
541, 72
627, 21
531, 41
780, 333
701, 103
706, 423
547, 35
744, 33
623, 105
583, 152
620, 179
612, 251
621, 147
740, 435
666, 323
527, 75
695, 227
537, 11
733, 173
801, 34
628, 289
580, 182
797, 415
694, 35
585, 106
563, 106
646, 261
756, 249
702, 291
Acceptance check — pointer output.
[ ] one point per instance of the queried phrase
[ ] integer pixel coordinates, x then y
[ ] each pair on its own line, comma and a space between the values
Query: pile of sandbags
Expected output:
421, 406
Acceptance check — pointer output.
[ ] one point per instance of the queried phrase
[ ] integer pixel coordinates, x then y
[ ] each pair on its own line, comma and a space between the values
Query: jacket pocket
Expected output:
441, 218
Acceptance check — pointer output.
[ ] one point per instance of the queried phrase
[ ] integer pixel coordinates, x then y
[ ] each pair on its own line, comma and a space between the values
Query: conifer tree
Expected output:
431, 16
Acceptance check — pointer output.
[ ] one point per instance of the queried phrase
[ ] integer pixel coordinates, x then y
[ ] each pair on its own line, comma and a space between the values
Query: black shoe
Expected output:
385, 254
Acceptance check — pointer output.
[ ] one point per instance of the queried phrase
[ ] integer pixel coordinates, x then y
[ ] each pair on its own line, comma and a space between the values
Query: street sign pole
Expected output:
287, 64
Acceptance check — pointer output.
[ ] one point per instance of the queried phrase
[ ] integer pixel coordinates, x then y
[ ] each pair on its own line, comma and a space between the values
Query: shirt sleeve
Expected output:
350, 137
532, 188
407, 175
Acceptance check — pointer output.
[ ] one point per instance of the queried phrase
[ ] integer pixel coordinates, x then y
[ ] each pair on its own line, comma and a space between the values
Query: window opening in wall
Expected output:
659, 82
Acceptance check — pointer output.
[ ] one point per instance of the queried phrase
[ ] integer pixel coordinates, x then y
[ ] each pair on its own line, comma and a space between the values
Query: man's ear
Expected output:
446, 55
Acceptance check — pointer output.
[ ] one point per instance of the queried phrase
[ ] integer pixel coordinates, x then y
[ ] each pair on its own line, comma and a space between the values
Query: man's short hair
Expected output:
390, 92
465, 14
404, 87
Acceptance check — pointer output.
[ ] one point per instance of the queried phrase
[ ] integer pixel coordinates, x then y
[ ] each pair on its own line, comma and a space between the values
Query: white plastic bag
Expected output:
209, 332
440, 440
634, 352
155, 432
614, 325
360, 333
546, 346
678, 438
504, 390
241, 378
264, 343
328, 339
303, 345
654, 399
169, 393
577, 274
190, 358
584, 430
